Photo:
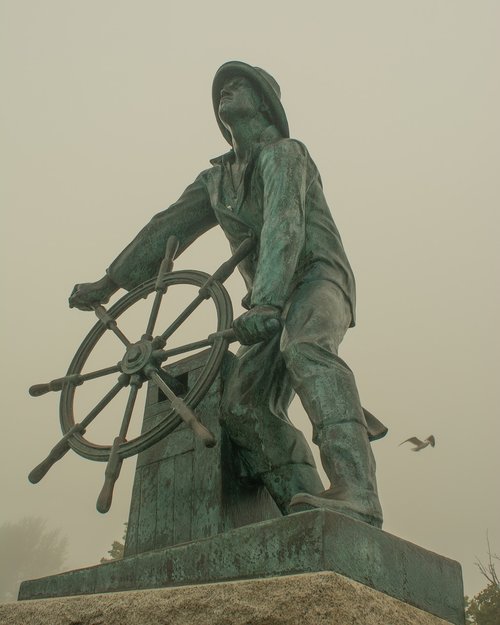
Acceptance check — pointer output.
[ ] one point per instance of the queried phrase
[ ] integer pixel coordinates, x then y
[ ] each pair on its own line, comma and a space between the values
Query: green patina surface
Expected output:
300, 302
183, 490
317, 540
192, 519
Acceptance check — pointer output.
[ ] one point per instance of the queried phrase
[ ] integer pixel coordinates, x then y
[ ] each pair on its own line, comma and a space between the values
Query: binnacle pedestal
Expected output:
184, 490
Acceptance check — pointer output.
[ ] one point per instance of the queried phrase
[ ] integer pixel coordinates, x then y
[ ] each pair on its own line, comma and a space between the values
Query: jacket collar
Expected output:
223, 158
268, 135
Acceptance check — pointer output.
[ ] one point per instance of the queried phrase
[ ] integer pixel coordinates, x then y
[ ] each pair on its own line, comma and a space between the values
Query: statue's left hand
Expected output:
87, 295
258, 324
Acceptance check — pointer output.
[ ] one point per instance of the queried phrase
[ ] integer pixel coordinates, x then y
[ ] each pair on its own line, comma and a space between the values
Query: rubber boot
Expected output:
349, 463
284, 482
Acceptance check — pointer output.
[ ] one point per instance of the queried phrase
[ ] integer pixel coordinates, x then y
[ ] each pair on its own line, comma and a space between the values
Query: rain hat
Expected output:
265, 85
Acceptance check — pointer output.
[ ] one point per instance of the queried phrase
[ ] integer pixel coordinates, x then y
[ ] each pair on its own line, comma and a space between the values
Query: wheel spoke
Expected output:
134, 389
154, 314
110, 323
182, 317
111, 474
163, 354
165, 268
114, 465
227, 268
123, 381
63, 445
221, 275
183, 410
74, 378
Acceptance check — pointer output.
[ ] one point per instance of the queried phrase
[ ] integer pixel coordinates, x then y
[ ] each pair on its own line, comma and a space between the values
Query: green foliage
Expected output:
484, 608
117, 548
468, 618
28, 550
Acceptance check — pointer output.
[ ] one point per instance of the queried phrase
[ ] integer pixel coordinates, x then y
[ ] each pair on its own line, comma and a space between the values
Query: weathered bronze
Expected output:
357, 551
211, 488
143, 361
267, 196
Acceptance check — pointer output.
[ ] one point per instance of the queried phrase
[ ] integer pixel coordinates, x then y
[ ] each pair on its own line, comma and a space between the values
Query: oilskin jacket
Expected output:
280, 202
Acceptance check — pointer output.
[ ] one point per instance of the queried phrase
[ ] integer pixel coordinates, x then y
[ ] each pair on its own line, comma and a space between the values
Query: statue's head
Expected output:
239, 88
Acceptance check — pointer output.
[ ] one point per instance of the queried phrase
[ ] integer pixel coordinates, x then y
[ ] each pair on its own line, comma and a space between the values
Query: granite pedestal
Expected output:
323, 598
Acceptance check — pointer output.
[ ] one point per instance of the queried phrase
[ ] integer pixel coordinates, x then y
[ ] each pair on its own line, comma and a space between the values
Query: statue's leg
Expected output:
257, 393
316, 321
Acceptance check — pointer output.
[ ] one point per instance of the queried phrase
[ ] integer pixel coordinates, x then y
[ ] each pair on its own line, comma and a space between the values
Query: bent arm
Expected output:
187, 219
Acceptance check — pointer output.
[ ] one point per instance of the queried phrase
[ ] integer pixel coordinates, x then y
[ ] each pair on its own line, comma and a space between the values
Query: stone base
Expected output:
309, 599
307, 542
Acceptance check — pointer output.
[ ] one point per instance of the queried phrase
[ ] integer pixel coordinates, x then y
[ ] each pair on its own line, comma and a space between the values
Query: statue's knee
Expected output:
232, 412
225, 411
301, 355
296, 355
289, 352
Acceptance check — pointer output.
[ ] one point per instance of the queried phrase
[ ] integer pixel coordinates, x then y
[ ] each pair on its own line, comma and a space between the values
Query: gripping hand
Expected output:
258, 324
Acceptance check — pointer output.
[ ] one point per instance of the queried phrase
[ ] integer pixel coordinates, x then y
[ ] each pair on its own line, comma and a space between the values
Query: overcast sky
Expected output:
106, 118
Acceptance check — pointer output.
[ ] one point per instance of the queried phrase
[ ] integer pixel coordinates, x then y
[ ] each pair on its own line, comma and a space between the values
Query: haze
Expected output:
107, 117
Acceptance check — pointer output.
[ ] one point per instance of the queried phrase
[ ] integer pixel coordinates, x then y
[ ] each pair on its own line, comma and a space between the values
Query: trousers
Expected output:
302, 359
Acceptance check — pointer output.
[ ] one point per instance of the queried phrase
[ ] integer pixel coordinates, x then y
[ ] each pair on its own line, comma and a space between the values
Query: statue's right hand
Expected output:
87, 295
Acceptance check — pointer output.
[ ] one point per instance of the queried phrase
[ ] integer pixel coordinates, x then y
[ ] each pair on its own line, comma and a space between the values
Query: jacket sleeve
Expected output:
187, 219
284, 171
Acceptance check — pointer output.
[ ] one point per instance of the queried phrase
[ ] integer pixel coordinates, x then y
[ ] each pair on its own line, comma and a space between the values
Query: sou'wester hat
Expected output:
262, 81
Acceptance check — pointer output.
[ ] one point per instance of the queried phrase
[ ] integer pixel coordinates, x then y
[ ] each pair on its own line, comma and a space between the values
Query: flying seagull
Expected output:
419, 445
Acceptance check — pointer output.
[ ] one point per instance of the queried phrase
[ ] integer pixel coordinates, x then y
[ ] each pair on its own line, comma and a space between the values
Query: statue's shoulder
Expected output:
206, 173
204, 178
284, 148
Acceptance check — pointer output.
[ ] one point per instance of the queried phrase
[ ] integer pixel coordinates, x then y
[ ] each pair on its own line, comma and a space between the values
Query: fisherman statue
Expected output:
299, 305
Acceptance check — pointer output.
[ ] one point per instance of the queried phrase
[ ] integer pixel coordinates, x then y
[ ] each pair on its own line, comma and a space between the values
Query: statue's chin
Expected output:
224, 116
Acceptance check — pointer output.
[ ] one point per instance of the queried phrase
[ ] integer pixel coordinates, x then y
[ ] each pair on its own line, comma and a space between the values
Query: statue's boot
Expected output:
349, 463
284, 482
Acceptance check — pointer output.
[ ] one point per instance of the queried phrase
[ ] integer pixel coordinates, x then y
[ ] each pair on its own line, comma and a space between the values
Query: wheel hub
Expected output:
137, 356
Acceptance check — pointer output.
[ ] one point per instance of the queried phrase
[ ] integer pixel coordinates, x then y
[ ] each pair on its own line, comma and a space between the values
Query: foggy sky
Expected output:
107, 117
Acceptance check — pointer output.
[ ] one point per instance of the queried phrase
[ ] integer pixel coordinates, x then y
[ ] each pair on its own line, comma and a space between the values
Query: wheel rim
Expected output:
221, 300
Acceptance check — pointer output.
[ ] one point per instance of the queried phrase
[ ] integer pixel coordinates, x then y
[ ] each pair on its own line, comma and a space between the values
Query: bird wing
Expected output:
431, 440
414, 440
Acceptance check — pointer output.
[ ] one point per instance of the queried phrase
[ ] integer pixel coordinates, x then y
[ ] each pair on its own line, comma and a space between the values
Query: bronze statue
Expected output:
299, 282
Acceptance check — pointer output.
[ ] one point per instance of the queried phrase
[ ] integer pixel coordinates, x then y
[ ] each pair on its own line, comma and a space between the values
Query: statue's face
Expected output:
238, 100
